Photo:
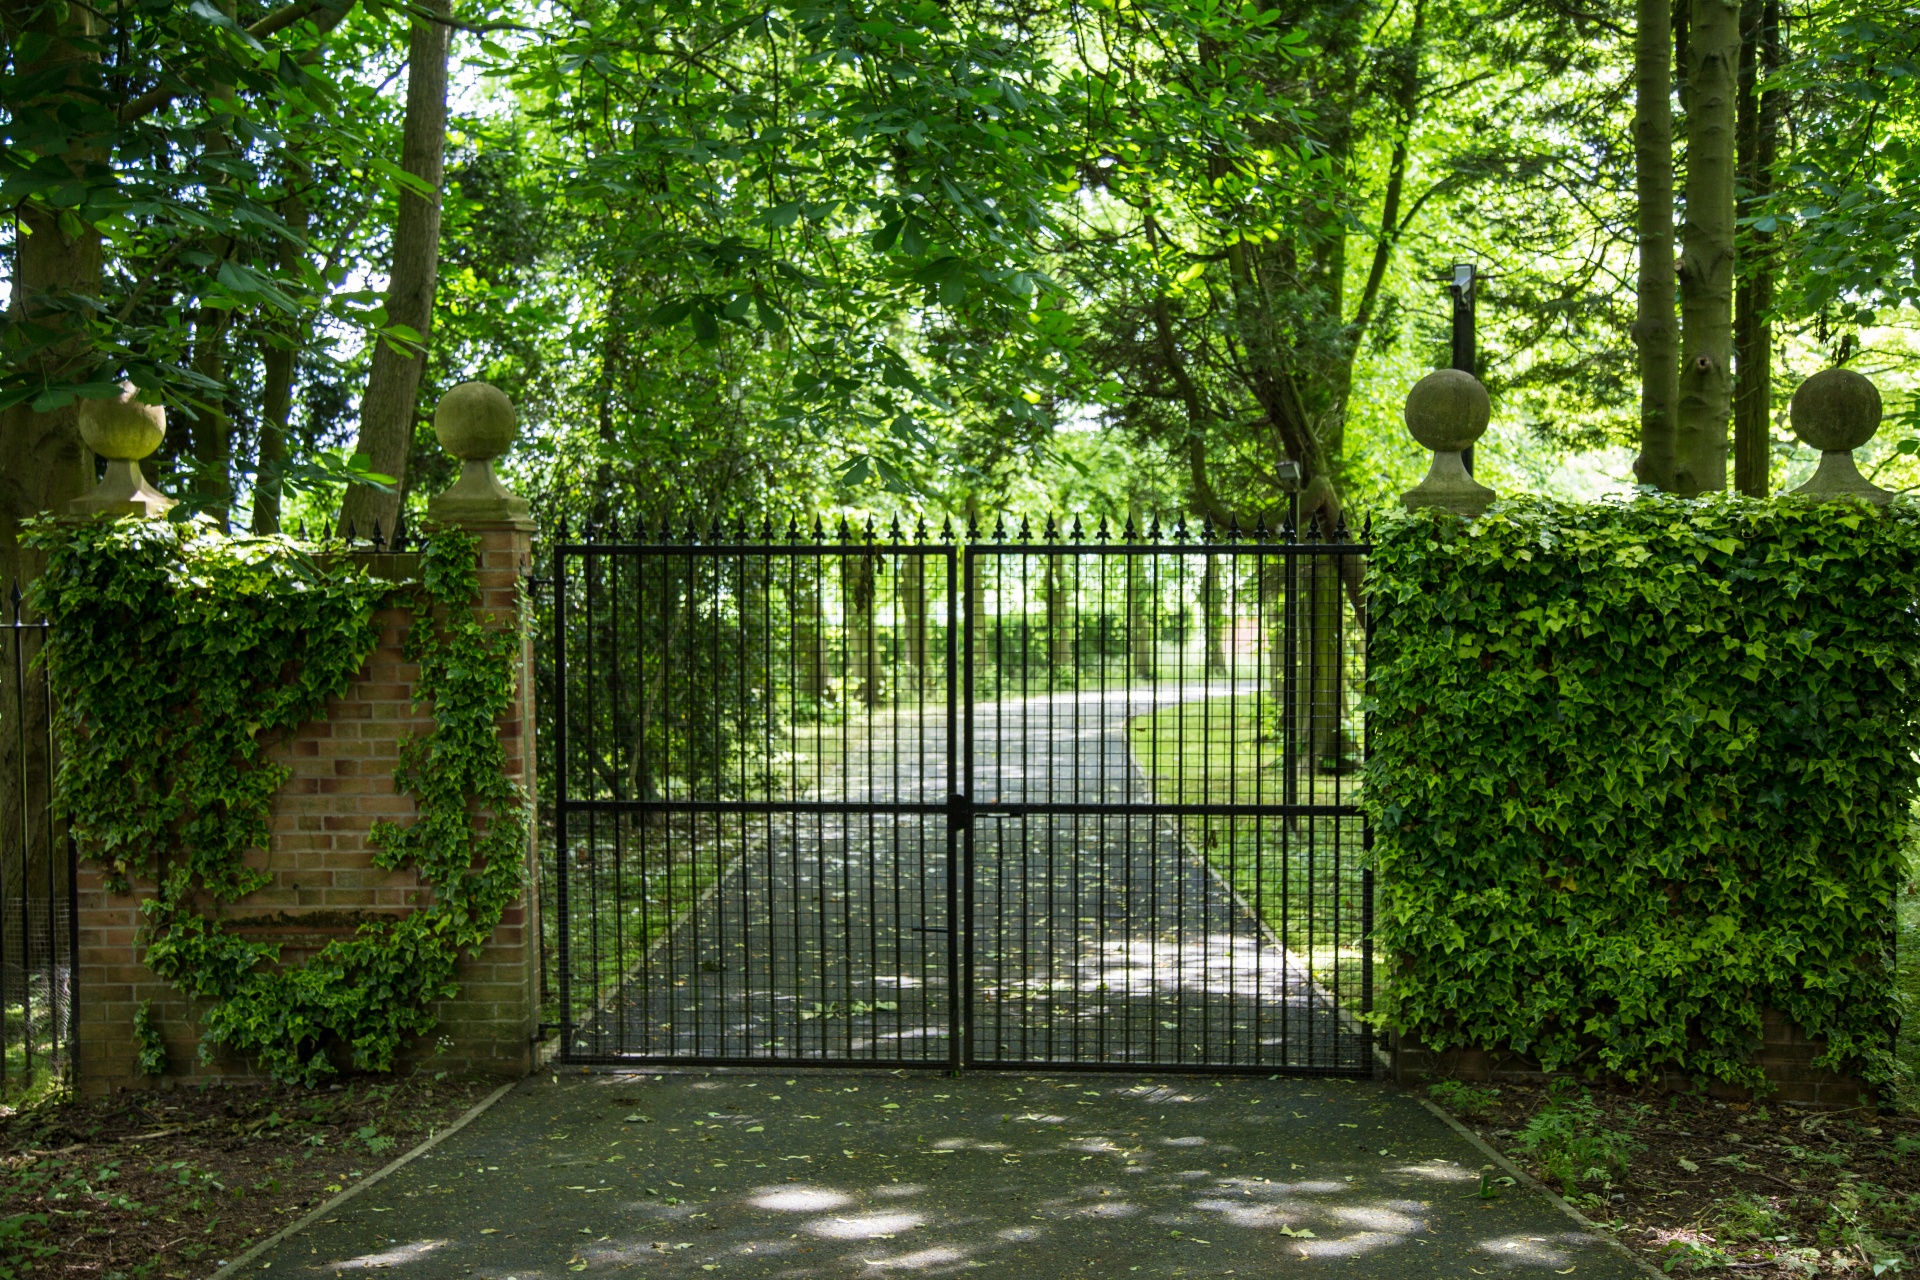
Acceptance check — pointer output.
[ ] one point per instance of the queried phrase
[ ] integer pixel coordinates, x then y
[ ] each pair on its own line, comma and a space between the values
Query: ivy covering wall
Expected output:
179, 656
1641, 771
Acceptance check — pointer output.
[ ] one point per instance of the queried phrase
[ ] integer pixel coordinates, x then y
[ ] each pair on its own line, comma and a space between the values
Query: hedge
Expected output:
1641, 771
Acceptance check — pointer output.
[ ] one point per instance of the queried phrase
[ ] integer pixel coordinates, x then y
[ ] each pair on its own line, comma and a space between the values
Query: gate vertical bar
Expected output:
956, 1020
965, 793
26, 861
57, 1042
1366, 828
562, 921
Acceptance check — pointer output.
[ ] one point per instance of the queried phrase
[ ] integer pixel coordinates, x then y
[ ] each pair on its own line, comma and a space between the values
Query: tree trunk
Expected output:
43, 464
1213, 618
1707, 250
859, 588
212, 431
1758, 120
1059, 603
913, 609
393, 384
1654, 331
1320, 696
1141, 616
276, 400
809, 659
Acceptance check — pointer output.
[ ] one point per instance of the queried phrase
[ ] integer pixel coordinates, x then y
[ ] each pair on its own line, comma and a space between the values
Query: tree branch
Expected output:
161, 97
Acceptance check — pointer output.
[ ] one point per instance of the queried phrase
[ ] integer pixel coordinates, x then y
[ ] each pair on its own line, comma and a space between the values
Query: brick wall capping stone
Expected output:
1836, 411
122, 430
1447, 411
475, 423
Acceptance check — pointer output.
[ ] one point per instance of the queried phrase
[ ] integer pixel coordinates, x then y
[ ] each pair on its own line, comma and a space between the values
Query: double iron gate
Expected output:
1059, 800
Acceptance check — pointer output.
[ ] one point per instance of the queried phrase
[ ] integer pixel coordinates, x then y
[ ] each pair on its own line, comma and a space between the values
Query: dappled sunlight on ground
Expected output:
387, 1258
837, 1175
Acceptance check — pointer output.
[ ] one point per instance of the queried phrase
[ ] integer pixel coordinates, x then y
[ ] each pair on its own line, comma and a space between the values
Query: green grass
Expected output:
1301, 877
622, 896
24, 1087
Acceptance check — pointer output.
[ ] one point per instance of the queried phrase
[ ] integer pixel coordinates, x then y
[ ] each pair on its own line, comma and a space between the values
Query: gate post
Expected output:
493, 1022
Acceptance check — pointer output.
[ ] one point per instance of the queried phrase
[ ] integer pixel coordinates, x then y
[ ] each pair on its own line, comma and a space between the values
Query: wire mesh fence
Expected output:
37, 918
900, 797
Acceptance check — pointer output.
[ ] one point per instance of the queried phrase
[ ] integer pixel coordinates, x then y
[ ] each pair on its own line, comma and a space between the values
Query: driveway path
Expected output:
830, 1175
1099, 938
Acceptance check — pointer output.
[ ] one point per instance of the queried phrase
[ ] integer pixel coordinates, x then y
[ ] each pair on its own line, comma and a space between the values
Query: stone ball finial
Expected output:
122, 429
1448, 410
1836, 411
475, 422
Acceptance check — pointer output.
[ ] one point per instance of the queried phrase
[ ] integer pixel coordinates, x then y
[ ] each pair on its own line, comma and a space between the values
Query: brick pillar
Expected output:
324, 884
489, 1027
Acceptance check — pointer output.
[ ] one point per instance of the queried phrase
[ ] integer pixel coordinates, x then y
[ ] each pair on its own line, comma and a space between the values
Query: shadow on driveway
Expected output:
875, 1174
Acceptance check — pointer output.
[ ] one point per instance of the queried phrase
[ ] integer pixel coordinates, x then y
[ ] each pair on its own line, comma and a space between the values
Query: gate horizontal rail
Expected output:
961, 809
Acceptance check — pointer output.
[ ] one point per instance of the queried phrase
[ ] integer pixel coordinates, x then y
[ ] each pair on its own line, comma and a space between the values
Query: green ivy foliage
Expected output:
150, 1050
179, 656
1641, 771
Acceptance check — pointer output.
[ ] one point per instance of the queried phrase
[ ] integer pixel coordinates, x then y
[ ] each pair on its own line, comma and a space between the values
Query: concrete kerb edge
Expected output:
472, 1113
1525, 1179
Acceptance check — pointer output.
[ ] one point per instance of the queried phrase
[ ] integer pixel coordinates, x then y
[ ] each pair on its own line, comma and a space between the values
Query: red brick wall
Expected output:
324, 881
1785, 1054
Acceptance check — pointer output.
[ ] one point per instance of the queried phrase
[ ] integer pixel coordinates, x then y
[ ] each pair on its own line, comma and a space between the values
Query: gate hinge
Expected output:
959, 813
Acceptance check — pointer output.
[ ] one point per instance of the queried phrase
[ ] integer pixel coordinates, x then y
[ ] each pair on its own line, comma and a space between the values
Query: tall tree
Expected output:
400, 355
60, 126
1654, 330
1707, 248
1759, 132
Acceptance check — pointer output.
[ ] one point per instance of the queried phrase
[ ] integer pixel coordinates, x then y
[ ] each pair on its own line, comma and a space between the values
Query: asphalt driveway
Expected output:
847, 1173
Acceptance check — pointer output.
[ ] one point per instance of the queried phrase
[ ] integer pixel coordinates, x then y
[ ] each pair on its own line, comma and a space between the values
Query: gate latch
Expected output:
959, 813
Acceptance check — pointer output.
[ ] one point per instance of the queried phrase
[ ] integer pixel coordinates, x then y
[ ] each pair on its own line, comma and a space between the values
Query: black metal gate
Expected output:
1063, 800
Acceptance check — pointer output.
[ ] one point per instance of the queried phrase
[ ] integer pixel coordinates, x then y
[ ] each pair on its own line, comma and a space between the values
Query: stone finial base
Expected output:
1448, 485
478, 497
1839, 477
123, 491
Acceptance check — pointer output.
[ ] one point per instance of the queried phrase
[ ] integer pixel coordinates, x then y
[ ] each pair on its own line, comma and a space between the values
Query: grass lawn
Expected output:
1302, 877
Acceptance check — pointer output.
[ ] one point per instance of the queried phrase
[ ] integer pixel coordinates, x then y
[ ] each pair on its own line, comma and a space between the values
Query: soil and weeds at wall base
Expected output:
170, 1184
1754, 1189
